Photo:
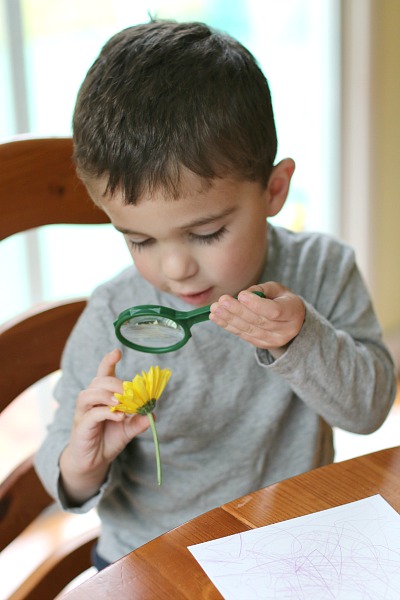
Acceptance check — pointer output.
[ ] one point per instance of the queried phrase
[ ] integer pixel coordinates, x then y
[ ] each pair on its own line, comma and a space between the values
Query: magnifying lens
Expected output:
158, 329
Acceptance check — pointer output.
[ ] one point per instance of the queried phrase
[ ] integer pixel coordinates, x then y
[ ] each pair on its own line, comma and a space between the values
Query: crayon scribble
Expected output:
351, 552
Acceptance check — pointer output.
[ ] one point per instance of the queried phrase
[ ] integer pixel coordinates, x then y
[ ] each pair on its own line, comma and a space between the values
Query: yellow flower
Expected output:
140, 396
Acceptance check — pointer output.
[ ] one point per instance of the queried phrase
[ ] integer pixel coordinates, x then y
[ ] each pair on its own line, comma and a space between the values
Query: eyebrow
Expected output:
191, 224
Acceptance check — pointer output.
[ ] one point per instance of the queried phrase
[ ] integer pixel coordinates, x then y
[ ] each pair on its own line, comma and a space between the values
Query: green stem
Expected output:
157, 447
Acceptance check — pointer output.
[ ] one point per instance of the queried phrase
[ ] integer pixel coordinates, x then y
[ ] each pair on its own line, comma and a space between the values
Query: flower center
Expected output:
148, 407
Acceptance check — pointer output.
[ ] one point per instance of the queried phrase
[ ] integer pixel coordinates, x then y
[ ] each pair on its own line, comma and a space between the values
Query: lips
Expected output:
197, 298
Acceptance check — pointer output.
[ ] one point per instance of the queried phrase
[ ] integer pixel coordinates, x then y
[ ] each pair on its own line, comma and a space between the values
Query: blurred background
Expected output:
334, 71
47, 48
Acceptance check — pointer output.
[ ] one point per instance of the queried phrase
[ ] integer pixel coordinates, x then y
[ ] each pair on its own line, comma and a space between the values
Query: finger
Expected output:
249, 311
282, 317
270, 289
108, 383
255, 333
93, 397
107, 365
261, 308
260, 338
286, 309
283, 307
135, 425
90, 420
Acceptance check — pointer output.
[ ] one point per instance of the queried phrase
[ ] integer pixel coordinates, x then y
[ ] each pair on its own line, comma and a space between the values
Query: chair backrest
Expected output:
38, 186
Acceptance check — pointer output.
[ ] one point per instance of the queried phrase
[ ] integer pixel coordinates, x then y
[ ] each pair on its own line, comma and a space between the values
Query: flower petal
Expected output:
156, 381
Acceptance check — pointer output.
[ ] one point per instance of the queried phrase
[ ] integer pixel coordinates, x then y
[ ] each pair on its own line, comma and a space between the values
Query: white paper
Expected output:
350, 552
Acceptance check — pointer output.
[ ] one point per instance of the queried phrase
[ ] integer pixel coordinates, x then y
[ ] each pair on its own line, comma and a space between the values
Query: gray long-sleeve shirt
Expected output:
232, 419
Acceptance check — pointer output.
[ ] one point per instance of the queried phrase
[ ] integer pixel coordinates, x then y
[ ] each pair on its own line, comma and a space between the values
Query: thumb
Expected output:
270, 289
135, 425
108, 363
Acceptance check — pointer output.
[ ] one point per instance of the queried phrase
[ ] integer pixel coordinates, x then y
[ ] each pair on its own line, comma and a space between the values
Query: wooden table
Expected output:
164, 569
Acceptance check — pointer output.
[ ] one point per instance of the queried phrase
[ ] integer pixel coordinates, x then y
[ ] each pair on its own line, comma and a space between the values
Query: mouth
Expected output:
198, 298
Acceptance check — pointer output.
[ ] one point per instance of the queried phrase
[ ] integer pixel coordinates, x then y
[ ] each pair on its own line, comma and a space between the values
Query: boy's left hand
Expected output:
270, 323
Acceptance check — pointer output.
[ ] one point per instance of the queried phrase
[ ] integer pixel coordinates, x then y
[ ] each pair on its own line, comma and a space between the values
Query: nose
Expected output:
178, 264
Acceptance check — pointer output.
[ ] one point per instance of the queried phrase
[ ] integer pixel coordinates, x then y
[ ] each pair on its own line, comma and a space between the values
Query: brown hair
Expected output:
163, 95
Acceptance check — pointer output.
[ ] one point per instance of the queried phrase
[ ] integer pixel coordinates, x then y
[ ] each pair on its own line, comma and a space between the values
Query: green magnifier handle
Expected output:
157, 329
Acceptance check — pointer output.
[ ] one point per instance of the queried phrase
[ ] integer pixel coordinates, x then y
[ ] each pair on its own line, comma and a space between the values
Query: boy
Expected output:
175, 140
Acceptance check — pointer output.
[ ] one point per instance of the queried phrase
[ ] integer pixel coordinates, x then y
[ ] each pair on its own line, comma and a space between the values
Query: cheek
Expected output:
145, 267
229, 263
243, 251
244, 257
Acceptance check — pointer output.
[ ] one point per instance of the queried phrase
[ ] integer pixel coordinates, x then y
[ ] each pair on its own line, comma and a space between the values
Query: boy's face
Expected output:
209, 241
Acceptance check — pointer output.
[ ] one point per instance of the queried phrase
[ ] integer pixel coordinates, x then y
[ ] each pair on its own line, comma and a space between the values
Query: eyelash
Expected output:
211, 237
137, 246
202, 239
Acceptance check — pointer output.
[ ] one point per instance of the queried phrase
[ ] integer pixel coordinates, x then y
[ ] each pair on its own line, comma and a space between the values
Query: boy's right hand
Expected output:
98, 435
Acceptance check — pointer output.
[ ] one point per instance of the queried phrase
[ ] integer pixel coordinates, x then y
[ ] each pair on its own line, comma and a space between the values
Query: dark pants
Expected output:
98, 562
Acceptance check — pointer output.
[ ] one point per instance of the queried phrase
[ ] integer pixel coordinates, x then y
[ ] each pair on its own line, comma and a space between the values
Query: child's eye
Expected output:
210, 237
140, 245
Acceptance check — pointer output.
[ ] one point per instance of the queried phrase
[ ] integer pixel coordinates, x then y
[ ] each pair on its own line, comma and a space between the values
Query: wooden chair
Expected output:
38, 186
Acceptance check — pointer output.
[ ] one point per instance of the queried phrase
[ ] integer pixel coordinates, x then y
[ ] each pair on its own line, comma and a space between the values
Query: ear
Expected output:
278, 185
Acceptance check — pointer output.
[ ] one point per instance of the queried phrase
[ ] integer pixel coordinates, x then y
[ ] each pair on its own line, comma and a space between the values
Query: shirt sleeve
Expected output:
338, 364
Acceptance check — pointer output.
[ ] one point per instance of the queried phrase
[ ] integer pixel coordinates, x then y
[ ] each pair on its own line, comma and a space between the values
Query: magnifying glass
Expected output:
158, 329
